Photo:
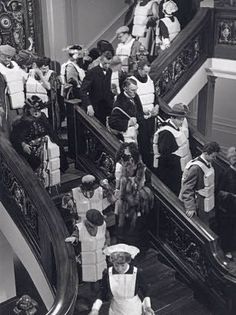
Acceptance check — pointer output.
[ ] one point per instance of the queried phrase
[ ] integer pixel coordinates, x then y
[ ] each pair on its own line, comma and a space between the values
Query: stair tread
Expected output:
192, 307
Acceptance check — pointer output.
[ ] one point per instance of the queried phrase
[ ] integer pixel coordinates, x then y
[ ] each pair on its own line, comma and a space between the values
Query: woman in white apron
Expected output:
121, 282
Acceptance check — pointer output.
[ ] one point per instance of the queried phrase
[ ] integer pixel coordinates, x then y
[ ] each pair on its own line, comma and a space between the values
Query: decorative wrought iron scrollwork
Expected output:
22, 201
98, 155
226, 30
182, 63
190, 249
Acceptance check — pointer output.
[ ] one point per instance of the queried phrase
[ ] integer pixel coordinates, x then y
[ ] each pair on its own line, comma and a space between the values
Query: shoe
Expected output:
229, 256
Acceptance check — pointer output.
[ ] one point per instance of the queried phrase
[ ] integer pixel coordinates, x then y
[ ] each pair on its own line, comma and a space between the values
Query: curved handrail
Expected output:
14, 171
175, 65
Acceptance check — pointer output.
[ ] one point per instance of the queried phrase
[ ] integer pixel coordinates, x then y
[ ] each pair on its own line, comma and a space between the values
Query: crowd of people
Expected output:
115, 87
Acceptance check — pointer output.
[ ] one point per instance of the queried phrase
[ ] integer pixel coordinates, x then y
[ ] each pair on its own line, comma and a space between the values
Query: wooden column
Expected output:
205, 107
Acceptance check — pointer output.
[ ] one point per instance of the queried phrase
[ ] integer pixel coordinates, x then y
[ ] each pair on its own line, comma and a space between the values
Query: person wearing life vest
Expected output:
171, 149
122, 283
169, 25
12, 97
146, 93
145, 22
198, 185
50, 82
33, 138
93, 237
88, 195
127, 49
72, 74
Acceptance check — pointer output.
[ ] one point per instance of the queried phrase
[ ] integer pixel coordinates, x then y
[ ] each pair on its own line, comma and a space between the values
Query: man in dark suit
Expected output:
96, 93
127, 112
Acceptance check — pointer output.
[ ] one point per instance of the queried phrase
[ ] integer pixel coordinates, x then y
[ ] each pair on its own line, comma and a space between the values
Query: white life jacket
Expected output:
83, 204
34, 87
173, 27
47, 75
208, 192
185, 128
182, 142
123, 50
14, 84
80, 71
115, 80
141, 14
93, 259
52, 174
146, 93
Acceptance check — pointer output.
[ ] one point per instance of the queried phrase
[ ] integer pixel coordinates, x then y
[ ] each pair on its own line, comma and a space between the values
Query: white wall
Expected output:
24, 253
224, 115
7, 274
67, 22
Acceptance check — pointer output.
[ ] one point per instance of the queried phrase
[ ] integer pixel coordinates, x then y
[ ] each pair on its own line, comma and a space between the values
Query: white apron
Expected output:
124, 301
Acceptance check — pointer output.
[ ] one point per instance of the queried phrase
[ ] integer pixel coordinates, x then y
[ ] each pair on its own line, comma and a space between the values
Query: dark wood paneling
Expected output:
19, 20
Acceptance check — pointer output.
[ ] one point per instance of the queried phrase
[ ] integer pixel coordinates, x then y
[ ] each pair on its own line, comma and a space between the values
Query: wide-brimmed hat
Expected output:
231, 152
178, 110
122, 29
35, 102
95, 217
170, 7
7, 50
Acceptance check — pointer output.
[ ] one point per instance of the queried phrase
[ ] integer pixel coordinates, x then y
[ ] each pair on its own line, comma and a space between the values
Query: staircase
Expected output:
168, 295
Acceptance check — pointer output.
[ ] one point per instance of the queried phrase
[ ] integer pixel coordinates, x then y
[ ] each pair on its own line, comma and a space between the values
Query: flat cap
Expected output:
7, 50
122, 29
95, 217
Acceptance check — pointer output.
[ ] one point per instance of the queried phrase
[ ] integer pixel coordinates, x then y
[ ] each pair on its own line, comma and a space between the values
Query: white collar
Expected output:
202, 157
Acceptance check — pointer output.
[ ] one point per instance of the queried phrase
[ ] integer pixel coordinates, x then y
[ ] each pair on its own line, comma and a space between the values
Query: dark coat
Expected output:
169, 169
227, 210
118, 120
96, 91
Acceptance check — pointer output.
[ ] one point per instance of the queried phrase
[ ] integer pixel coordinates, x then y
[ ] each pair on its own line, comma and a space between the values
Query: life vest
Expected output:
207, 194
14, 84
182, 142
34, 87
52, 174
80, 71
173, 27
93, 259
141, 14
115, 80
146, 93
83, 204
185, 128
123, 50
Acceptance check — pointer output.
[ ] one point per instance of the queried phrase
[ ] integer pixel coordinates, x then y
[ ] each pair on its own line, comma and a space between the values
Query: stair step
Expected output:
8, 306
190, 307
169, 296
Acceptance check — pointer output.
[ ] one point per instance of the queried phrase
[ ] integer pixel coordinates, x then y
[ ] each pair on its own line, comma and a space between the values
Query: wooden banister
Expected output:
41, 225
189, 246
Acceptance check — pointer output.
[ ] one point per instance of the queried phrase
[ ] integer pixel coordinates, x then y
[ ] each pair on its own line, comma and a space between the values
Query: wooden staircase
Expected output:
169, 296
